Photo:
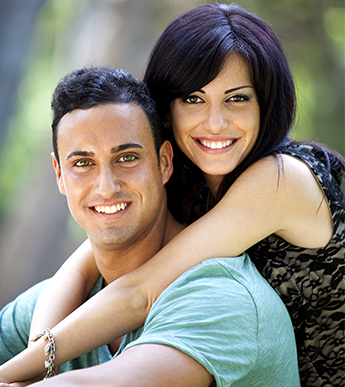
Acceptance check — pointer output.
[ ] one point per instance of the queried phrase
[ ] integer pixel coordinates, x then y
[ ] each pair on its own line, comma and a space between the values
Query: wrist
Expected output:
49, 351
24, 366
3, 376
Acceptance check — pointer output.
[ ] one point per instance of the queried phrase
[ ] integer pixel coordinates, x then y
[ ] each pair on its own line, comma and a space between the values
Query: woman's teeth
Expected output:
216, 144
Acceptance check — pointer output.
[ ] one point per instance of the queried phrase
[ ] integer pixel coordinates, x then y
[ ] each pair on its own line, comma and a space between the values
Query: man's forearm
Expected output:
148, 365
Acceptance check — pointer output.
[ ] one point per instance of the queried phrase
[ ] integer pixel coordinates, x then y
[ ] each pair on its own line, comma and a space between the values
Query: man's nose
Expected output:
108, 182
215, 120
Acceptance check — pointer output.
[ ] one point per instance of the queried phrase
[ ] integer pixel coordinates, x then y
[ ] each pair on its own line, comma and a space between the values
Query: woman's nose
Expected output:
215, 120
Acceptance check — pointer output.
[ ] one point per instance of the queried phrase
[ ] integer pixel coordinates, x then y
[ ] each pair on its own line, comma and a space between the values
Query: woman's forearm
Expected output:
66, 291
92, 325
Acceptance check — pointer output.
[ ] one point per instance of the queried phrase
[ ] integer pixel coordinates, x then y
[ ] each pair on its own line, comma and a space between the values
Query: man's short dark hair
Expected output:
89, 87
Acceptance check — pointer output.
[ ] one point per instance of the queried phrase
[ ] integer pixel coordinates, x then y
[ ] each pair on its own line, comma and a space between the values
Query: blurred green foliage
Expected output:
28, 135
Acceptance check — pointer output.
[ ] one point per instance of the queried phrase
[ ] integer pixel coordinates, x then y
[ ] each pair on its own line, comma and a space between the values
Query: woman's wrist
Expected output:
49, 351
26, 365
3, 376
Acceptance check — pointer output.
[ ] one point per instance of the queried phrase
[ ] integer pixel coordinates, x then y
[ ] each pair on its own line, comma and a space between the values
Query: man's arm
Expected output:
147, 365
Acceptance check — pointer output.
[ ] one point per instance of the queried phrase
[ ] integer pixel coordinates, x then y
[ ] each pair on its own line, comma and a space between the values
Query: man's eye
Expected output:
127, 158
83, 163
192, 99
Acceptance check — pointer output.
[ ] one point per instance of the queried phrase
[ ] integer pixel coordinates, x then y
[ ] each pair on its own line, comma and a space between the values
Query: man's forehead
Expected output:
111, 117
120, 110
117, 127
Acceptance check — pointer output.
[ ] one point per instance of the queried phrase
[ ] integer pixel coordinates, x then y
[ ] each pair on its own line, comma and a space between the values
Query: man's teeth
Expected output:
111, 209
216, 144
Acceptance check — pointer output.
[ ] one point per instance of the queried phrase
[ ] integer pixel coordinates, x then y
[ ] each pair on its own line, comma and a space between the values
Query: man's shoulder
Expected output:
15, 322
241, 285
237, 273
224, 314
20, 310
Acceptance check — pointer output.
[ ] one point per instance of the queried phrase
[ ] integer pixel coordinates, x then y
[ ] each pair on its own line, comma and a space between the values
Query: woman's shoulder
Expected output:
282, 169
327, 168
323, 162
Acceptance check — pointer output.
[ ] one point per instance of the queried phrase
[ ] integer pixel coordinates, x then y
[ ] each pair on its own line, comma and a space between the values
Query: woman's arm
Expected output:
67, 290
283, 199
73, 337
264, 200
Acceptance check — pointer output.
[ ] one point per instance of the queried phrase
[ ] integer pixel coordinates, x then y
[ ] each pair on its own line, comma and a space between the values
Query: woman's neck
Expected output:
213, 183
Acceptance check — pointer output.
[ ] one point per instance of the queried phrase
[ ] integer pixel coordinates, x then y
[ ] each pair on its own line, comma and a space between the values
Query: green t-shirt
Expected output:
226, 316
222, 313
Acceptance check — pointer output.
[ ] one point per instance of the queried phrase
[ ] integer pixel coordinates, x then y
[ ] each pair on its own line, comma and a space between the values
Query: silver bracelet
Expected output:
48, 351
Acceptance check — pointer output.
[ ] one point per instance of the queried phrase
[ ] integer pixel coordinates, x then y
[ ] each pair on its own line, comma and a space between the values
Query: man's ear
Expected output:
59, 178
166, 165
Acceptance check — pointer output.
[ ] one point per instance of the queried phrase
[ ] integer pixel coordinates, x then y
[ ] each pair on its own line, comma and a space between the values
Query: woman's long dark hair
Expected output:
191, 52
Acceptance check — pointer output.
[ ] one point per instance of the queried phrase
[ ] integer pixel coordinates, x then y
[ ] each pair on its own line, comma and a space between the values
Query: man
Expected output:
220, 321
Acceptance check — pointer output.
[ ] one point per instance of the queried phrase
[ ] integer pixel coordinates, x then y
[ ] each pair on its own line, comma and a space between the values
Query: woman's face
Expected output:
217, 126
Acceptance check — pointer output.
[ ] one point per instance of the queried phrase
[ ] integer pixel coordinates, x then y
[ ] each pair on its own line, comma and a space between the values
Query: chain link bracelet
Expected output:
48, 351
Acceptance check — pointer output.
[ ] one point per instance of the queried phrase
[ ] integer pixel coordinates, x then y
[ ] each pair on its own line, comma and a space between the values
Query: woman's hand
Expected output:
21, 384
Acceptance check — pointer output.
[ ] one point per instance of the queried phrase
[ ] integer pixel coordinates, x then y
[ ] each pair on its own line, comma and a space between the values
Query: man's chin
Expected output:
112, 239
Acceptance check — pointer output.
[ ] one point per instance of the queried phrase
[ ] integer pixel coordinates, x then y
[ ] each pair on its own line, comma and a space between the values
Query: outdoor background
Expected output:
41, 40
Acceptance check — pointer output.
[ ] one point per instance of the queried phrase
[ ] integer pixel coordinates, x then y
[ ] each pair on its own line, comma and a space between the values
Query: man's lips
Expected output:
215, 144
110, 209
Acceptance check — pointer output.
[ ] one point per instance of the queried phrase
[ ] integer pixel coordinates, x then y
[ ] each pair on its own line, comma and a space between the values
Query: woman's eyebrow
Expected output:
230, 90
237, 88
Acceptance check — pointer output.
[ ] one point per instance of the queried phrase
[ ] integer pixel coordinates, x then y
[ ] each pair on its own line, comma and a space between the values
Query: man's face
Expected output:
110, 174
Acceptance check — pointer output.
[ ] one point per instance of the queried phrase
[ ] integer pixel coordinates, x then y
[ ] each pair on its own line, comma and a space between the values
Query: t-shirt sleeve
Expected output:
210, 316
15, 322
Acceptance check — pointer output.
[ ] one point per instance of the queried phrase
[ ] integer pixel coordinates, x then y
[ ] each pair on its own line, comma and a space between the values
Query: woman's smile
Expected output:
215, 145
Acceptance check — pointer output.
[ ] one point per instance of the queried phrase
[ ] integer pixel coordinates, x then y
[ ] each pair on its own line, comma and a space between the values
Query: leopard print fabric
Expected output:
311, 284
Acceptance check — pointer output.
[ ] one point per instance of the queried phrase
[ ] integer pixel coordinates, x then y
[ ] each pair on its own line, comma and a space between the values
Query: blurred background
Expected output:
42, 40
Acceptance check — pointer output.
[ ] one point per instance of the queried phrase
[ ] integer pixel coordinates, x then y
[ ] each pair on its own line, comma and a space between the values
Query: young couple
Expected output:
225, 93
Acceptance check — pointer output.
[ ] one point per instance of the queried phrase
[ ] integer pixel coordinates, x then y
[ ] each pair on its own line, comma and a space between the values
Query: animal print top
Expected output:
312, 286
310, 282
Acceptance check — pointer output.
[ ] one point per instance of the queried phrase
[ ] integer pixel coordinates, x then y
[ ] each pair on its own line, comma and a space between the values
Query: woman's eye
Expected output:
193, 99
83, 163
127, 158
238, 98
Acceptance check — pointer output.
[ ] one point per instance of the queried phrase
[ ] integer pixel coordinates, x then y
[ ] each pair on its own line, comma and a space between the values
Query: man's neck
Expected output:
116, 262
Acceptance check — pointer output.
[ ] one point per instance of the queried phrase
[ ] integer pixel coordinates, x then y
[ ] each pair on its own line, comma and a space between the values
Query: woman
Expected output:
296, 268
224, 87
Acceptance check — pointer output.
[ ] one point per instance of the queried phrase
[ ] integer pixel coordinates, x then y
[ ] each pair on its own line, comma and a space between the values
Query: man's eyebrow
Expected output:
115, 149
80, 153
123, 147
230, 90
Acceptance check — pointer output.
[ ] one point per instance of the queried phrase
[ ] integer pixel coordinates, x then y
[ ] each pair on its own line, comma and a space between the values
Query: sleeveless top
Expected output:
310, 282
312, 286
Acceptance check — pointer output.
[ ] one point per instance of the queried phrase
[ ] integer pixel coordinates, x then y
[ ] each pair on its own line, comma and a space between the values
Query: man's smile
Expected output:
111, 209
